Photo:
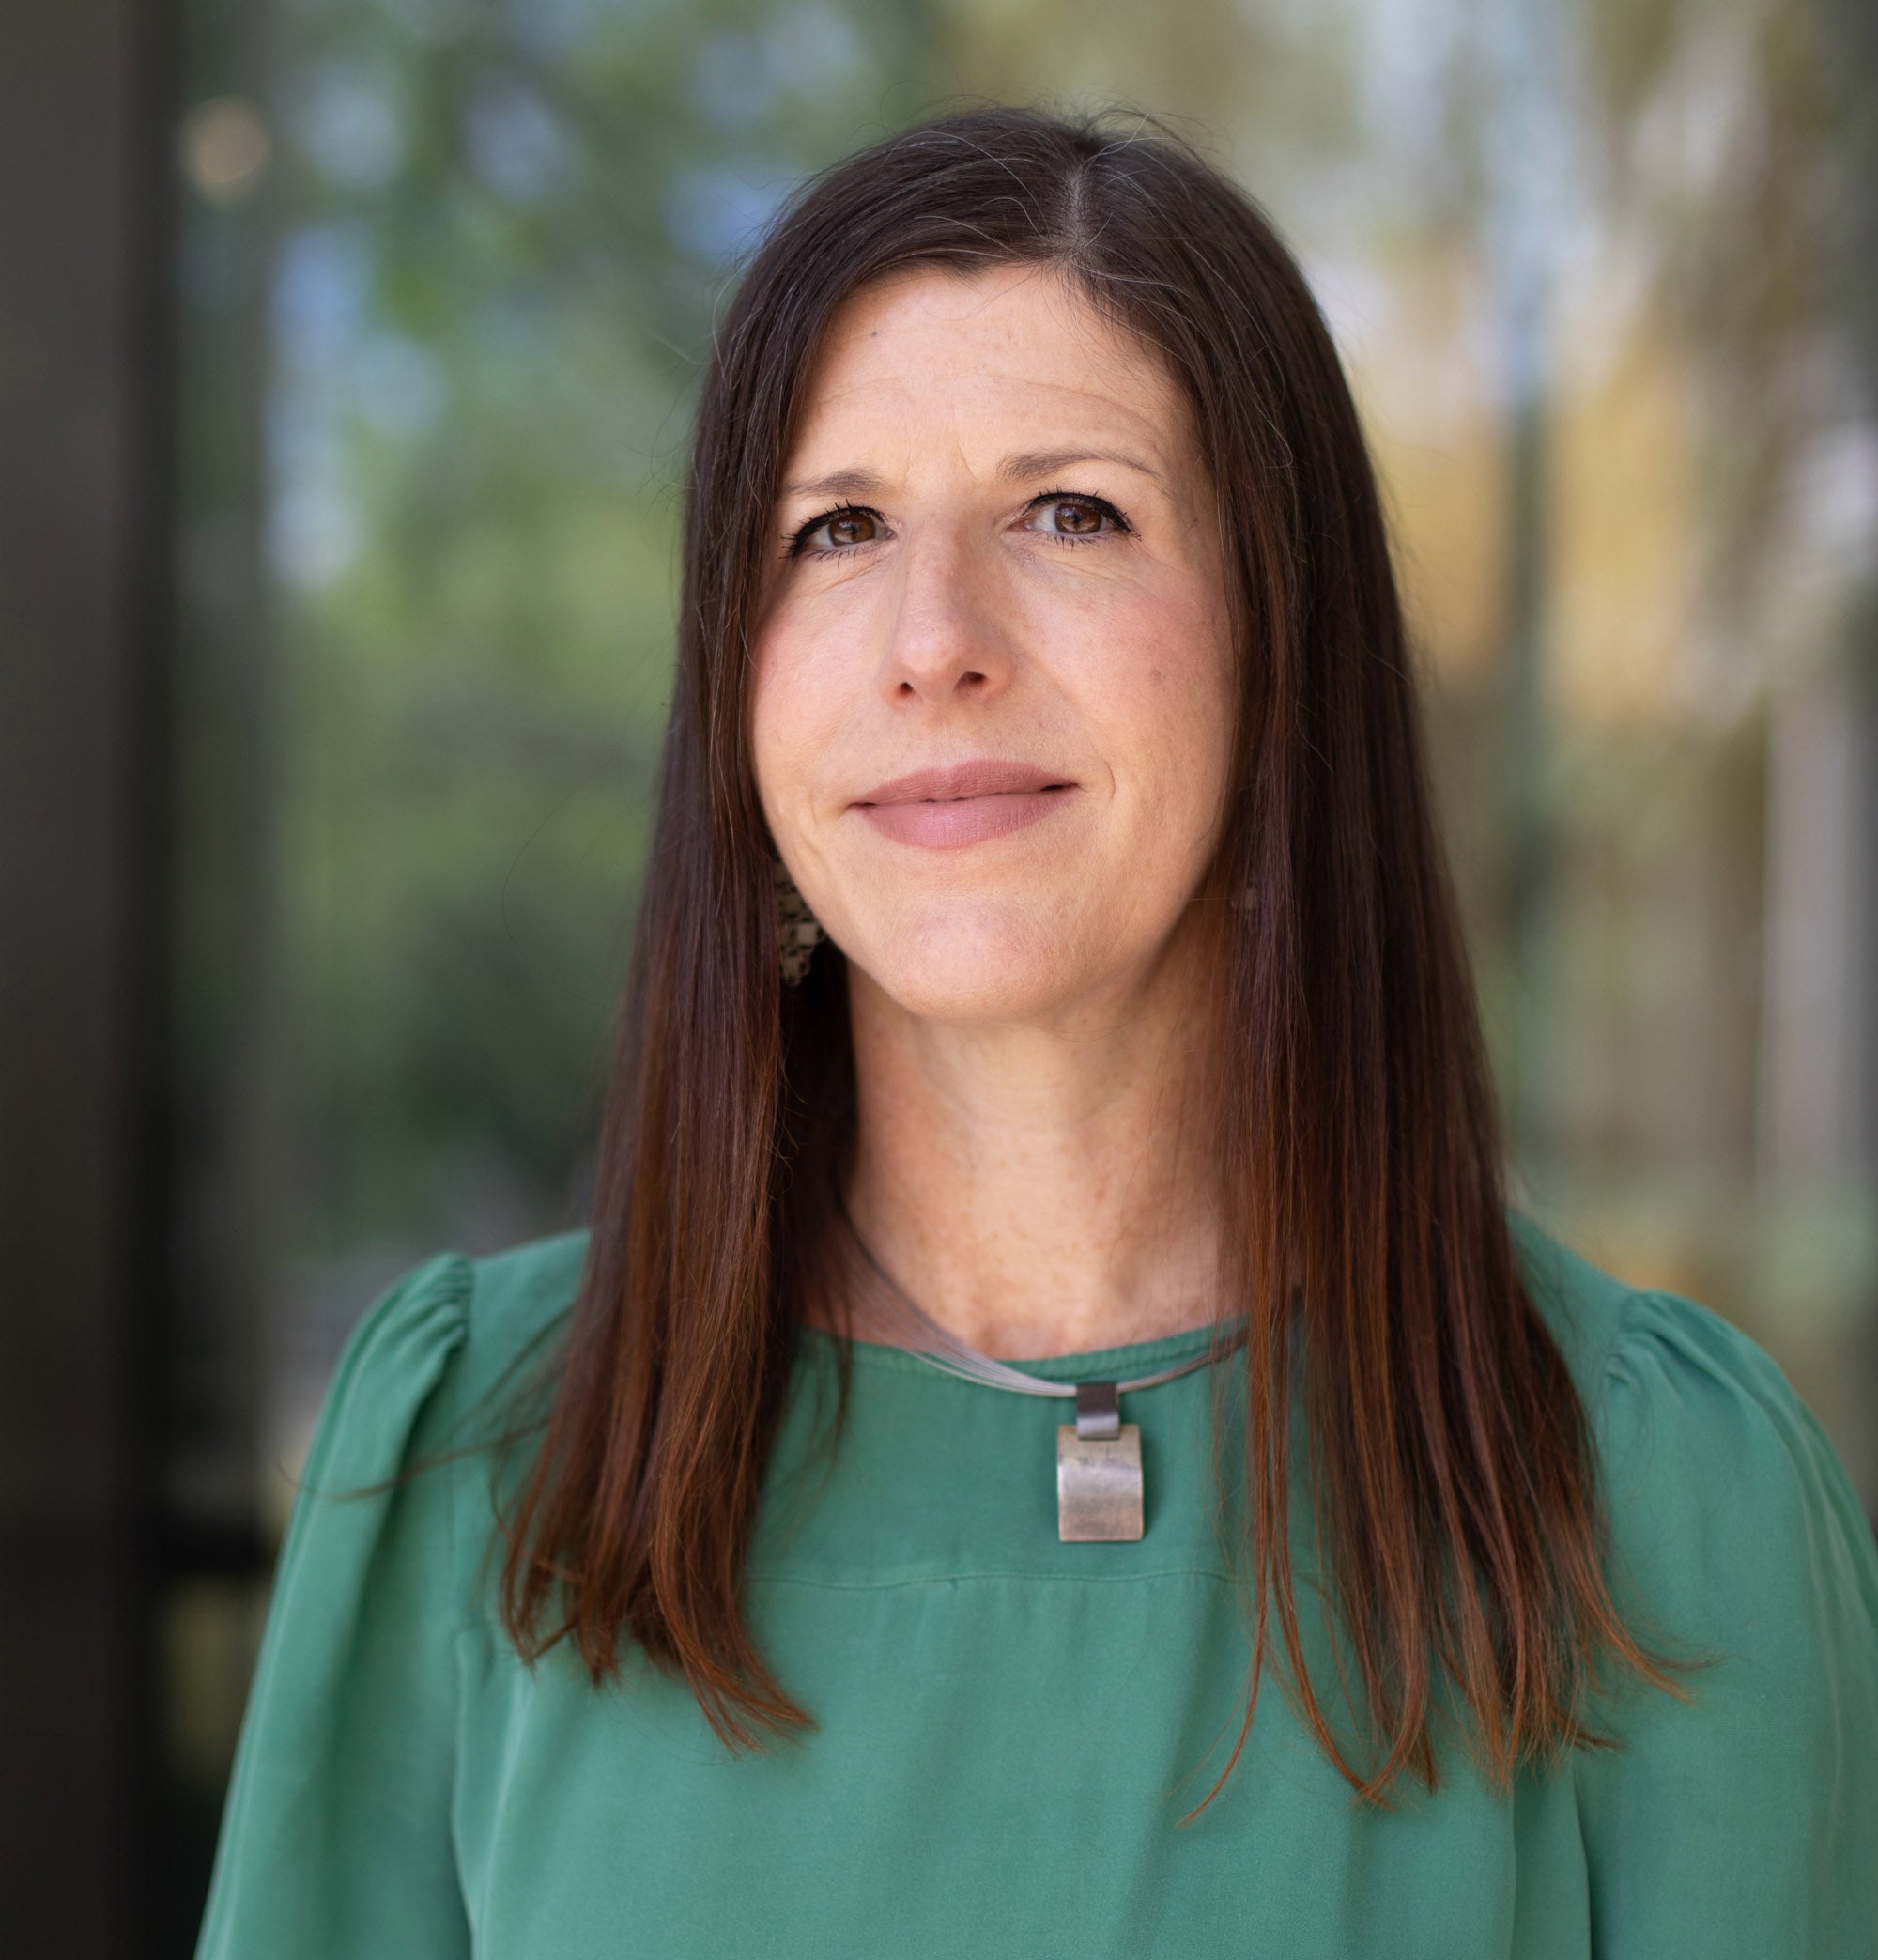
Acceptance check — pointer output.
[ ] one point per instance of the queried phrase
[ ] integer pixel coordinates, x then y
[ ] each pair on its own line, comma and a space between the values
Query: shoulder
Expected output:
1732, 1526
1677, 1398
440, 1342
1586, 1309
1669, 1387
1733, 1540
434, 1378
518, 1303
1646, 1360
346, 1764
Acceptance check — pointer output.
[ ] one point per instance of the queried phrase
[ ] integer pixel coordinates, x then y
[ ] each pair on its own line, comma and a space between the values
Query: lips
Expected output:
963, 803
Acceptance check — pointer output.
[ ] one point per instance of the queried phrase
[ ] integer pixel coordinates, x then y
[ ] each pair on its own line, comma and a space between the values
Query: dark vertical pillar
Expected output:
85, 356
227, 1169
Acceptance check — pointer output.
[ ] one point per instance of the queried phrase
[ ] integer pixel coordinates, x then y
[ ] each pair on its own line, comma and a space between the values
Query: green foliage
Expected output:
506, 231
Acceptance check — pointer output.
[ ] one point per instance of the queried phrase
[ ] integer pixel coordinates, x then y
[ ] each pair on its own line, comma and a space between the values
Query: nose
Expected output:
943, 640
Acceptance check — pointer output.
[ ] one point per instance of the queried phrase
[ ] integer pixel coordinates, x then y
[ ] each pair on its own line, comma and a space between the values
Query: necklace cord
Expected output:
955, 1357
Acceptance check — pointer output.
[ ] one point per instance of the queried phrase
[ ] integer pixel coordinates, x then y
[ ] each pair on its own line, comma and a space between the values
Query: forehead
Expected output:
978, 352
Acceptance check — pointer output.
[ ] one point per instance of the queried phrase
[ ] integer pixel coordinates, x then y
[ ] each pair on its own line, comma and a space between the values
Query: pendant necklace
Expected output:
1098, 1485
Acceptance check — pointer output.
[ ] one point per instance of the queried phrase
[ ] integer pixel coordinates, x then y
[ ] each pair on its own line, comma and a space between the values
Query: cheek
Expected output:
1164, 689
786, 731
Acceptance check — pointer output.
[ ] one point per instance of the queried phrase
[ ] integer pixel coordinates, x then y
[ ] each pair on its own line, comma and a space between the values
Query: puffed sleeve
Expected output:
1744, 1823
335, 1837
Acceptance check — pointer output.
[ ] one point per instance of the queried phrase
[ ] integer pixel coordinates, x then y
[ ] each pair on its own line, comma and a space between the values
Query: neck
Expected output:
1045, 1189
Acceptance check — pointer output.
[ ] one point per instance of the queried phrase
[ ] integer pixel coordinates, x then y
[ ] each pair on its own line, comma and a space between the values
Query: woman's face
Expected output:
993, 698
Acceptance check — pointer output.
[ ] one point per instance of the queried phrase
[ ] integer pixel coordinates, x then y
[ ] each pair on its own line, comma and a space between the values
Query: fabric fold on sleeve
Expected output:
335, 1837
1743, 1823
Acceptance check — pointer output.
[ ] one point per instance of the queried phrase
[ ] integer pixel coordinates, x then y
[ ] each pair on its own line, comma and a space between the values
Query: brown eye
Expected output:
1070, 519
1076, 518
851, 527
842, 530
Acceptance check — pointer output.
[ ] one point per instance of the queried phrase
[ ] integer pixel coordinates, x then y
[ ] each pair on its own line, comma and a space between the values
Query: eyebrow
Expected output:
1018, 468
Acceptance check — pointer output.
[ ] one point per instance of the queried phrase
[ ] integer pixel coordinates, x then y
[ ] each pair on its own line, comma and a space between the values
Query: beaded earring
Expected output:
799, 932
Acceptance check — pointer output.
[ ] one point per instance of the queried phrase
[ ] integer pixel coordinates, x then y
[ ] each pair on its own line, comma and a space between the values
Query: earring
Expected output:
799, 932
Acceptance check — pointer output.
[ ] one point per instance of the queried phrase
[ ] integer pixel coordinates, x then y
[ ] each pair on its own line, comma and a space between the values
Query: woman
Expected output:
1047, 957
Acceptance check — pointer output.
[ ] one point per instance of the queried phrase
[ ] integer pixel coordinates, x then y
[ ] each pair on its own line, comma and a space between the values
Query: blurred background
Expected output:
347, 350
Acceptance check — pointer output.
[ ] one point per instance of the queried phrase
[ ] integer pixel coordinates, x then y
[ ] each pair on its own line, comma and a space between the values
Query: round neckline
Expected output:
1091, 1364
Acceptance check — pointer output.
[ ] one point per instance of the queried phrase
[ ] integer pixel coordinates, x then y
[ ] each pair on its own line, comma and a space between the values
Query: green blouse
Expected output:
1011, 1728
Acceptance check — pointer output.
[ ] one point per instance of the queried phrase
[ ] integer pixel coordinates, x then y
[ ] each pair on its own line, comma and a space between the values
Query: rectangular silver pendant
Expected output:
1098, 1492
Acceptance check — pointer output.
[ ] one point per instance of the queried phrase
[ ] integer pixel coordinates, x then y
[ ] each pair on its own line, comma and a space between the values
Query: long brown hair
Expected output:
1449, 1457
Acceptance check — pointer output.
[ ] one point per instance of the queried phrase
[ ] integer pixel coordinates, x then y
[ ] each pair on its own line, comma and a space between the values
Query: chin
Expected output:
984, 967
